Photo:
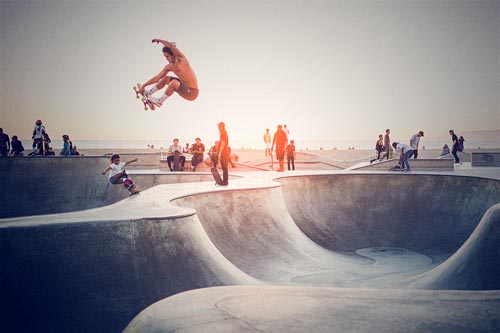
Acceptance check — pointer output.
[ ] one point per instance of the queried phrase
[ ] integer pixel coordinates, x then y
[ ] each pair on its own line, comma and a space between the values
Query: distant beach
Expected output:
301, 145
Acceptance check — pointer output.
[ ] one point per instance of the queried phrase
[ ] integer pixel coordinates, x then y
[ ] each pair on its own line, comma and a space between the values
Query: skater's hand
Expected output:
156, 40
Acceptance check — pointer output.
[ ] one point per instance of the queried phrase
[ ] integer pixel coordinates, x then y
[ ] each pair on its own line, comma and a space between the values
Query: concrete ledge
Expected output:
486, 159
421, 164
145, 160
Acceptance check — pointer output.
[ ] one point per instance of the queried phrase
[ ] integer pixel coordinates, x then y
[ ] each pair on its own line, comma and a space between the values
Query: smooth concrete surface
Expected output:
426, 164
48, 185
297, 237
486, 159
320, 309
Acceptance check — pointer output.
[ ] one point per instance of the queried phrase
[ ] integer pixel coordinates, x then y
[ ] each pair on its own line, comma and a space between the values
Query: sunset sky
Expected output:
328, 69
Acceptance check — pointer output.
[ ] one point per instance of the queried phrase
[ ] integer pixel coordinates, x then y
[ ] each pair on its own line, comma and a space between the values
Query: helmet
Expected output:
38, 122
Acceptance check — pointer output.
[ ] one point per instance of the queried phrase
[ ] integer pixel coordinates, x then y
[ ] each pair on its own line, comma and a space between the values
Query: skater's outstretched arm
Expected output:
156, 78
171, 46
106, 170
130, 161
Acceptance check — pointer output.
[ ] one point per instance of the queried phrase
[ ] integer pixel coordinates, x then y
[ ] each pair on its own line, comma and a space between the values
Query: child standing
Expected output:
290, 154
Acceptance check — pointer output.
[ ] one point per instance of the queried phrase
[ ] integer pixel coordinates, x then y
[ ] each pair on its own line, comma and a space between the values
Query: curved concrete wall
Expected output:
425, 213
96, 276
49, 185
92, 271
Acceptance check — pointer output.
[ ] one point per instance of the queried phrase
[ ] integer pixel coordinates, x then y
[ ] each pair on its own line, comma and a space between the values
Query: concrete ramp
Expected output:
475, 266
419, 212
93, 270
286, 309
252, 228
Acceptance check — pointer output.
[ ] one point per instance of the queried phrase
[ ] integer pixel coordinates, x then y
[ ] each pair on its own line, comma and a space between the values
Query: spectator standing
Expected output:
387, 145
287, 132
17, 147
291, 155
224, 153
455, 146
4, 143
38, 132
414, 141
461, 142
280, 140
267, 142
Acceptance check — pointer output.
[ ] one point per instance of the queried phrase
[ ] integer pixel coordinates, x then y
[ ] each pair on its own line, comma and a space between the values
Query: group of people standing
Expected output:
280, 139
41, 144
407, 151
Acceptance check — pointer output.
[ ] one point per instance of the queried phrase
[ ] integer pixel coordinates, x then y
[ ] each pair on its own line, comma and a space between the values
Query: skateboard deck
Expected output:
177, 158
147, 103
217, 177
397, 168
130, 186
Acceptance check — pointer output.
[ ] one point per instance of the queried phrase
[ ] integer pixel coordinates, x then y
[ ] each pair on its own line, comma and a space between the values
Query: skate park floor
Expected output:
322, 251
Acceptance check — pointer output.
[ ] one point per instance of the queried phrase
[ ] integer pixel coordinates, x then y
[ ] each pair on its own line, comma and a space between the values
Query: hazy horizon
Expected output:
330, 70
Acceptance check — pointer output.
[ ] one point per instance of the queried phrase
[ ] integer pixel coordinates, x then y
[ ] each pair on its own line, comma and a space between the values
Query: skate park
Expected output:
313, 250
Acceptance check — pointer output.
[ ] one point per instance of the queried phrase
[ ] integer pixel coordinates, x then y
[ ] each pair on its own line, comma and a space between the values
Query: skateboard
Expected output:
130, 186
177, 157
216, 174
145, 100
397, 168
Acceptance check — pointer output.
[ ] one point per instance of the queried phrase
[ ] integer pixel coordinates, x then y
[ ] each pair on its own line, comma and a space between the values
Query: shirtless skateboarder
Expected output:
184, 83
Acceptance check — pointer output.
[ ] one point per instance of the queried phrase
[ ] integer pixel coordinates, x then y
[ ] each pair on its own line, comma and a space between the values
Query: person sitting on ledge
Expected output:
172, 150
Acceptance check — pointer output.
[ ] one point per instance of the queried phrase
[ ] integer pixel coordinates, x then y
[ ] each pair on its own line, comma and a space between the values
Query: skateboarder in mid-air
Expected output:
184, 83
118, 175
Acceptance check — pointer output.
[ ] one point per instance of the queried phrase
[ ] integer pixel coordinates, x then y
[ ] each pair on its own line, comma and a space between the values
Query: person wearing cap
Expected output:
38, 132
224, 153
67, 146
415, 139
197, 149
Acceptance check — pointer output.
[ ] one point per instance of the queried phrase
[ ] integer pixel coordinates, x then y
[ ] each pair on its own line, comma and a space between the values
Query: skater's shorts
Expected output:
112, 180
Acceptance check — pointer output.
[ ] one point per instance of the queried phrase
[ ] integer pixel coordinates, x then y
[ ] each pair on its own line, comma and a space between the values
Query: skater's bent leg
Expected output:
118, 179
172, 87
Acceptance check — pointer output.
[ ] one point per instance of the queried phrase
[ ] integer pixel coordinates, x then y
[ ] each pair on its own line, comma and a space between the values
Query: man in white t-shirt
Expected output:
404, 152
